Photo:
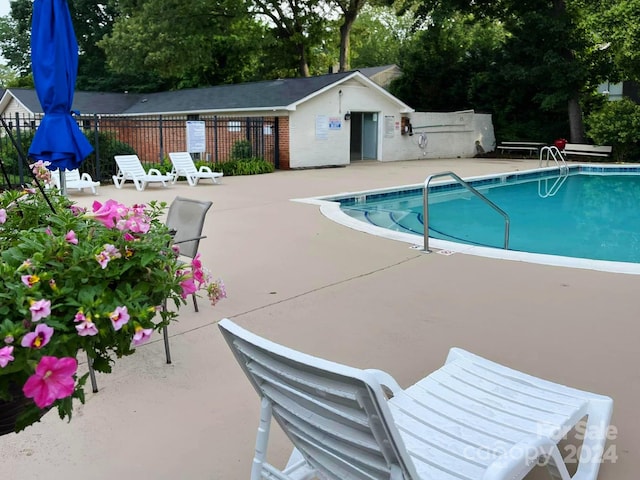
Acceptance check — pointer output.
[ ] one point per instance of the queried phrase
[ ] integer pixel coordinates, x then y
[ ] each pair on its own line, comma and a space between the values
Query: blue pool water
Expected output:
592, 213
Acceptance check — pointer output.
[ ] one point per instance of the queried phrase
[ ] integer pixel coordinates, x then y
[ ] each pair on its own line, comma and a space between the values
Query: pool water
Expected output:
584, 214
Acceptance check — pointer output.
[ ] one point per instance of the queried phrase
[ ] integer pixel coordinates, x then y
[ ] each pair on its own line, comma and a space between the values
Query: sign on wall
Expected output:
322, 127
196, 137
389, 126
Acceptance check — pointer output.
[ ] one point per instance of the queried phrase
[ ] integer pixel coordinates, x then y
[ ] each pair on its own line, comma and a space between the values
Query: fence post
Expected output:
161, 137
19, 147
276, 147
215, 137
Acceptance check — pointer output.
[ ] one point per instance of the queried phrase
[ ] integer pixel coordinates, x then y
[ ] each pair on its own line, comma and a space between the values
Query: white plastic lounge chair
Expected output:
183, 166
74, 180
130, 168
471, 419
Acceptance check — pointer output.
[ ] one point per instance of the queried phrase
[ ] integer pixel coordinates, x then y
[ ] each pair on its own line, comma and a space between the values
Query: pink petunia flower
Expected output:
136, 224
196, 267
38, 338
105, 256
52, 380
103, 259
188, 286
30, 280
141, 335
5, 356
119, 317
71, 237
3, 216
86, 328
77, 210
40, 309
110, 213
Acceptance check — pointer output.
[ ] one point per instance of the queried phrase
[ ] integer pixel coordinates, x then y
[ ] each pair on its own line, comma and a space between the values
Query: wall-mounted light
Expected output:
347, 116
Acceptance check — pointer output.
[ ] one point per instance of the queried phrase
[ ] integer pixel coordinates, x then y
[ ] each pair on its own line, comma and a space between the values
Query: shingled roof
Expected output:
270, 95
267, 95
84, 102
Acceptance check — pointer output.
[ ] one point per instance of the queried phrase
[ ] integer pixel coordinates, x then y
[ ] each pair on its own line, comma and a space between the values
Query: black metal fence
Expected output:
149, 137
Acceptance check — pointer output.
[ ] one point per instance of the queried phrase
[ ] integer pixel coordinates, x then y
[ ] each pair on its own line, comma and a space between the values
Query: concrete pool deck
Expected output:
298, 278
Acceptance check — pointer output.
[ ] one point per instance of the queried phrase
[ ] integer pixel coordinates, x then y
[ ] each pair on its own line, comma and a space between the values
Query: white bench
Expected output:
531, 147
588, 150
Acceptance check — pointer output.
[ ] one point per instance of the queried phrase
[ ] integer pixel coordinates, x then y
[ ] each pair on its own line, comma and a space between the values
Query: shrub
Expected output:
617, 124
108, 146
252, 166
241, 150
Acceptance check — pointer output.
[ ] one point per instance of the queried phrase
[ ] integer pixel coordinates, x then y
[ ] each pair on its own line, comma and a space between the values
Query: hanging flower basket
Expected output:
11, 409
75, 280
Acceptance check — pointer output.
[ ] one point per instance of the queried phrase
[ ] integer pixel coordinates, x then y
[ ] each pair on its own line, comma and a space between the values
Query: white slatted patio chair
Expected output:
183, 166
130, 168
74, 180
471, 419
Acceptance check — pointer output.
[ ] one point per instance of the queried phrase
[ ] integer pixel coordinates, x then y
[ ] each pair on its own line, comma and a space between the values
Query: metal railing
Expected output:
552, 153
425, 205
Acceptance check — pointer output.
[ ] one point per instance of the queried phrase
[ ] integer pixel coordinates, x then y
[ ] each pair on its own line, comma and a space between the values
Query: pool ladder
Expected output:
552, 153
425, 206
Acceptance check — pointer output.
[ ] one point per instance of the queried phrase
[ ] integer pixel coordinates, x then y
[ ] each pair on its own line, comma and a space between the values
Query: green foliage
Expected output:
108, 146
378, 36
617, 124
73, 281
163, 167
241, 150
36, 245
185, 43
251, 166
8, 152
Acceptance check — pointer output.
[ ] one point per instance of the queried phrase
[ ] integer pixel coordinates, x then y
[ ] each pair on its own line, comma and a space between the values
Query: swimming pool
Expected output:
584, 216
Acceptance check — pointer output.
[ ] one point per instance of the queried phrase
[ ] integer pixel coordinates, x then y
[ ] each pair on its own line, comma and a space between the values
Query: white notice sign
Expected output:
196, 137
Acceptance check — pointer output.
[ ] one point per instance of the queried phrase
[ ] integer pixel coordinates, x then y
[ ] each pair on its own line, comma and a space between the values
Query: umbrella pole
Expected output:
63, 181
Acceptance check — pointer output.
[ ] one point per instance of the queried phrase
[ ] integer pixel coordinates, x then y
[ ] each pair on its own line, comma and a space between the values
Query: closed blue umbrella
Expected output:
54, 59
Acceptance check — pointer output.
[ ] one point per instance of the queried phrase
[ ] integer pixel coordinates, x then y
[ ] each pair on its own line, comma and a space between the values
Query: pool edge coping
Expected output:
331, 209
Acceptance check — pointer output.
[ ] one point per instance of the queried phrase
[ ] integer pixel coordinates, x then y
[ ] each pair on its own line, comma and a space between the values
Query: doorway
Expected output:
364, 136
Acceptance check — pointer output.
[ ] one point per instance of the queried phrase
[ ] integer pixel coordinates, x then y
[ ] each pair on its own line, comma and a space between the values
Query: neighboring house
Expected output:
620, 90
383, 75
327, 120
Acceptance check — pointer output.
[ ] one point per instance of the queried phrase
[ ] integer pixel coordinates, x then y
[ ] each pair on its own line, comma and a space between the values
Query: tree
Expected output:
299, 24
8, 76
350, 10
378, 36
91, 22
15, 35
618, 25
550, 53
442, 63
187, 43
